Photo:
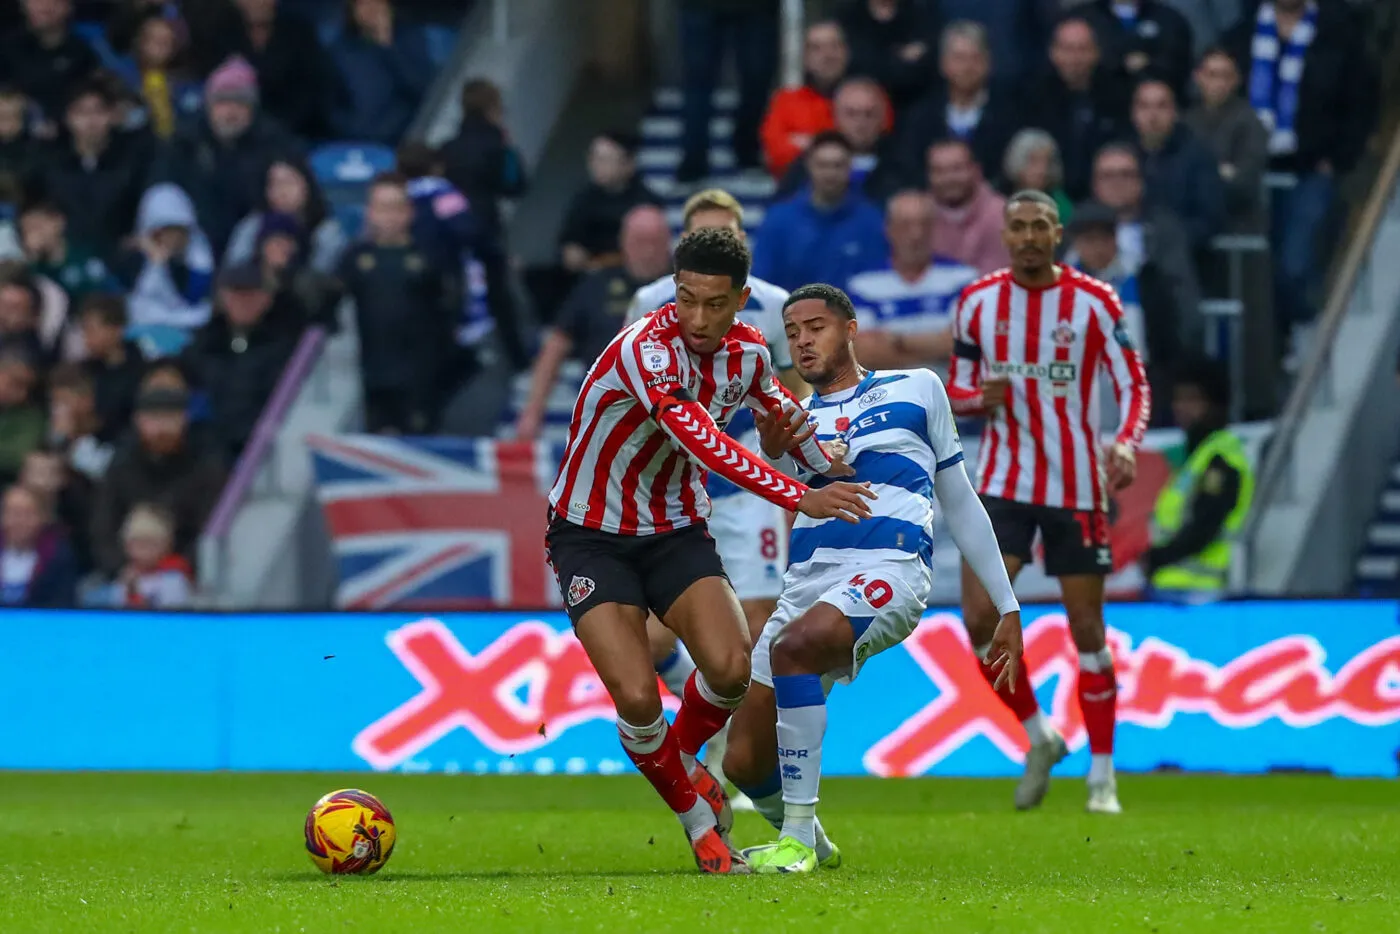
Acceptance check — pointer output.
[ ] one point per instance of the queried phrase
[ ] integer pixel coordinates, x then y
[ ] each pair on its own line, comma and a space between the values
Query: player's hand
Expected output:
1121, 464
995, 393
527, 426
780, 431
836, 452
845, 501
1004, 656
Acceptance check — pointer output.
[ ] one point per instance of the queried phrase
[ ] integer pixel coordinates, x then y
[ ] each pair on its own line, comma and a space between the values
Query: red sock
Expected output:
1098, 700
1023, 703
702, 714
657, 757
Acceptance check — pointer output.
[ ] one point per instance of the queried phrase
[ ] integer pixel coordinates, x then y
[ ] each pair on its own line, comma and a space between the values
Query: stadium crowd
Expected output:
163, 245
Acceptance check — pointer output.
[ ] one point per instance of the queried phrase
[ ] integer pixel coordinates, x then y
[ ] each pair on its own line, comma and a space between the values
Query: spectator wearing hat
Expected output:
158, 463
290, 191
45, 59
301, 295
95, 174
222, 160
171, 271
385, 71
115, 363
21, 418
239, 355
295, 76
37, 569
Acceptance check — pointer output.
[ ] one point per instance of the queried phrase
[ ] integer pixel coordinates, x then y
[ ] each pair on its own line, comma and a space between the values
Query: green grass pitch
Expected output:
222, 852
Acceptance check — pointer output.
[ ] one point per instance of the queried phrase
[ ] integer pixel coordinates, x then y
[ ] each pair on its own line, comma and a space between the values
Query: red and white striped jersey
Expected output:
647, 426
1042, 447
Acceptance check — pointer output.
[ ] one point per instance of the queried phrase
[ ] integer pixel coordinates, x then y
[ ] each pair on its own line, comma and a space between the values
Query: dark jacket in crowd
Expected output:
486, 168
47, 76
927, 122
594, 217
215, 29
1338, 95
1168, 248
54, 583
596, 310
875, 47
889, 175
1183, 176
1017, 32
239, 371
381, 88
187, 483
1080, 122
296, 81
99, 200
114, 389
406, 306
1158, 31
18, 158
1235, 137
226, 180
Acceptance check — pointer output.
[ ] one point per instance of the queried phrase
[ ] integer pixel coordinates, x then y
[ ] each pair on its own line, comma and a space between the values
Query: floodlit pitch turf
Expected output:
140, 853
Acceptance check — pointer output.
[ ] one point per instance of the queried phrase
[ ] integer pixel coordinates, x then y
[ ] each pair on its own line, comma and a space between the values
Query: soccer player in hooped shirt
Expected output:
627, 521
852, 591
1029, 343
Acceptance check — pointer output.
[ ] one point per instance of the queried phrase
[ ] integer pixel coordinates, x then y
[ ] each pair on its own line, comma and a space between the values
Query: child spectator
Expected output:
171, 274
21, 420
154, 578
78, 270
74, 425
114, 362
36, 563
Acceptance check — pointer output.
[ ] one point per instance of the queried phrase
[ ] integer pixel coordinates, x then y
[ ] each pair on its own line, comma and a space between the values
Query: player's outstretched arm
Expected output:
972, 533
767, 395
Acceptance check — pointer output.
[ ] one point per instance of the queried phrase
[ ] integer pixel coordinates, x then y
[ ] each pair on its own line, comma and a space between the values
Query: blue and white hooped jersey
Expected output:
900, 431
763, 311
885, 301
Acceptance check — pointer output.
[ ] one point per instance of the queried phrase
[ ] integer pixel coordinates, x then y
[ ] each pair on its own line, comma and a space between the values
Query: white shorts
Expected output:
752, 538
884, 602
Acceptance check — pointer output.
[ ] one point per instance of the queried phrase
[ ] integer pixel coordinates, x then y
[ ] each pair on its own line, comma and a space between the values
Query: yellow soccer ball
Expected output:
350, 832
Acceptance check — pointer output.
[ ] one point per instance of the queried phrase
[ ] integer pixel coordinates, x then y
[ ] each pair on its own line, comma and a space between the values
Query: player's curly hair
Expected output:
715, 251
835, 299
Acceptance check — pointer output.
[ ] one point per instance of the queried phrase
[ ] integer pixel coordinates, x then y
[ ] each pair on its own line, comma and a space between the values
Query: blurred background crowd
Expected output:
188, 186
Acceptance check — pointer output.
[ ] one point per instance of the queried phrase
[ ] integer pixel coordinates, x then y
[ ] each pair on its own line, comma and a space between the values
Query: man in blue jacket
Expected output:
826, 232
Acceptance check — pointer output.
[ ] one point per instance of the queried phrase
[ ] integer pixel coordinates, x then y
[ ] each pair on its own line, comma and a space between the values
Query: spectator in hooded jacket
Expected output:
291, 191
221, 161
827, 232
862, 114
170, 274
796, 115
894, 42
385, 72
1141, 38
96, 173
1178, 170
295, 77
964, 107
967, 224
37, 569
44, 58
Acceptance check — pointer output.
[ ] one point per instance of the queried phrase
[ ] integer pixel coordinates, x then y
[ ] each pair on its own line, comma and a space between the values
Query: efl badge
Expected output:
655, 357
579, 589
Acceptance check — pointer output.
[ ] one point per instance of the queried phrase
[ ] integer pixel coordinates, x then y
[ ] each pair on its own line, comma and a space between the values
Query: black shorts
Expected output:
1076, 540
649, 571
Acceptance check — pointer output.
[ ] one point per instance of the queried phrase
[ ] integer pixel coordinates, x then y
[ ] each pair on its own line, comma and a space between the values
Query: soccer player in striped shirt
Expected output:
627, 530
1029, 345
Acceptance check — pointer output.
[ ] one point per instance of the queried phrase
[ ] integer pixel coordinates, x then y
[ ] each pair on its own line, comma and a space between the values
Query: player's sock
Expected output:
1098, 700
702, 714
1022, 703
653, 750
801, 726
767, 800
675, 669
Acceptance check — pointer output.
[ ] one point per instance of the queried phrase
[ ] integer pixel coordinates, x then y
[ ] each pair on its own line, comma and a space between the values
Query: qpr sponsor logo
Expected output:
579, 589
731, 393
1058, 371
656, 357
872, 397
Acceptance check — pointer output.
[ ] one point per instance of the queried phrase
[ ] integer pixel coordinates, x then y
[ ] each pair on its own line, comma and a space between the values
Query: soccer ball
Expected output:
350, 832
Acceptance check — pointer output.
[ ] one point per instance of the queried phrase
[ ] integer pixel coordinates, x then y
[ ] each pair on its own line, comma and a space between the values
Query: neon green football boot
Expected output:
787, 855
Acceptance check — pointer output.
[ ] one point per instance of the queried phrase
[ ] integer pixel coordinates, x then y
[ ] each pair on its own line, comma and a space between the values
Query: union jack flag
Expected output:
437, 523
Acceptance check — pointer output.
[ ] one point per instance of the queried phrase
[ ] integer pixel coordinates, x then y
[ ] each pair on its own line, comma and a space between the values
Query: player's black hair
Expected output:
829, 138
1032, 196
835, 299
714, 251
1207, 375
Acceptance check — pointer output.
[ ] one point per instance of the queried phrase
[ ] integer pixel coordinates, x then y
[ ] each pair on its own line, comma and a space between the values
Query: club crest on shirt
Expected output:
1063, 336
655, 356
732, 392
579, 589
872, 397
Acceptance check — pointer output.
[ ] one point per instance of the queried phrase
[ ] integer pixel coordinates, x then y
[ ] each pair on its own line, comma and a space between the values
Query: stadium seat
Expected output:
344, 171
